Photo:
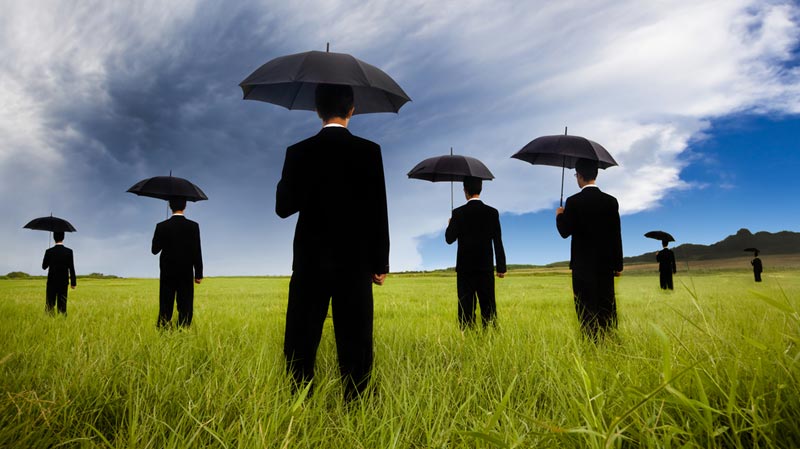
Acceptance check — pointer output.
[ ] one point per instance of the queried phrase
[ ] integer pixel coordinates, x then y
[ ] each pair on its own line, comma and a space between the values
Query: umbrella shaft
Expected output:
561, 203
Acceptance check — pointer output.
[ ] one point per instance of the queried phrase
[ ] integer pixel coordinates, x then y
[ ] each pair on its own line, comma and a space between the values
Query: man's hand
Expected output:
378, 279
617, 273
559, 211
501, 275
197, 281
72, 286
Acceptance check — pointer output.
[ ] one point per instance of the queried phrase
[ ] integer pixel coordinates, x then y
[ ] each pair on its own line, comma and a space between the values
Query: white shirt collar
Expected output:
332, 125
473, 199
589, 185
60, 243
177, 214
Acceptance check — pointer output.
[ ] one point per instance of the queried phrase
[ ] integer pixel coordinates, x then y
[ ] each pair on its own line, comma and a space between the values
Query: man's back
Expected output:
178, 240
666, 260
335, 181
58, 261
591, 217
476, 226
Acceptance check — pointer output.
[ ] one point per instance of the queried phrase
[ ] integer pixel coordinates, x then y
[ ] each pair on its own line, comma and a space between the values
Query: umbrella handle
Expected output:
451, 188
563, 163
561, 204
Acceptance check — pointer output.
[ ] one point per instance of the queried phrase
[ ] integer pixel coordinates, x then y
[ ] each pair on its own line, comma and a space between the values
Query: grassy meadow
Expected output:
713, 364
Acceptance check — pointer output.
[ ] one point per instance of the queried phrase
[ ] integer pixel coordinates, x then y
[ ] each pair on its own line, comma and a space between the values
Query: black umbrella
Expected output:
564, 151
660, 235
290, 81
51, 224
167, 188
755, 251
450, 168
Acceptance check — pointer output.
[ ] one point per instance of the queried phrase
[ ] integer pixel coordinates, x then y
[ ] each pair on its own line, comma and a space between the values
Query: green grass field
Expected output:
713, 364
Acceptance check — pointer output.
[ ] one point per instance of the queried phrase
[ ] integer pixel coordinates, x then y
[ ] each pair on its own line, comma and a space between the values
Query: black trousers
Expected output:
56, 296
172, 290
350, 297
472, 284
757, 275
595, 302
665, 278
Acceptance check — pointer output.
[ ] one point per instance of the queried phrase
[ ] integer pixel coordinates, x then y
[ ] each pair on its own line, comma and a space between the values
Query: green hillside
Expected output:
784, 242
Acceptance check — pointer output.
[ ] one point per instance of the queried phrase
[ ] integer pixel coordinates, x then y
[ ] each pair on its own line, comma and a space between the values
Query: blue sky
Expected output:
697, 100
743, 170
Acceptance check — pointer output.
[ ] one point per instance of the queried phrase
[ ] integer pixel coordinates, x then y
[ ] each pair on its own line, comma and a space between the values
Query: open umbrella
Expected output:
290, 81
50, 224
564, 151
755, 251
660, 235
450, 168
167, 188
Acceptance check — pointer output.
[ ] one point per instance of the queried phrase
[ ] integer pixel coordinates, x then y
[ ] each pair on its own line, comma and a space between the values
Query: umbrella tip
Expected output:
170, 172
451, 151
565, 130
327, 47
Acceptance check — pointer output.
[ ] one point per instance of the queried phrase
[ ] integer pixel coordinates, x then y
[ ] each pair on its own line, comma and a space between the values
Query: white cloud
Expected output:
641, 78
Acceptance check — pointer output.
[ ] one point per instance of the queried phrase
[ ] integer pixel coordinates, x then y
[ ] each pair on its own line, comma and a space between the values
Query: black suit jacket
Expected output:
757, 266
666, 261
591, 217
178, 240
476, 226
334, 180
62, 268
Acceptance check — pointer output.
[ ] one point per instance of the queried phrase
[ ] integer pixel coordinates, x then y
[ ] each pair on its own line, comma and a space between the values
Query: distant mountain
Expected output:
784, 242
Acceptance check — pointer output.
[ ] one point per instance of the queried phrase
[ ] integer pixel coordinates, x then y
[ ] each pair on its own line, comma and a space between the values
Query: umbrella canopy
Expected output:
450, 168
660, 235
167, 188
290, 81
51, 224
755, 250
564, 151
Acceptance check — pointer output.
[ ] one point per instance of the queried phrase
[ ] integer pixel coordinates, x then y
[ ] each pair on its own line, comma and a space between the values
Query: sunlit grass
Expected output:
712, 364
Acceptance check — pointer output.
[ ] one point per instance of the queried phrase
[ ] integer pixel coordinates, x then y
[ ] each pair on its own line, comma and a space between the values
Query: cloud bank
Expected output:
98, 95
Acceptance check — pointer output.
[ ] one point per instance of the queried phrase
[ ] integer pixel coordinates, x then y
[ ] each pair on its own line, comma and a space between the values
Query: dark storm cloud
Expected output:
104, 94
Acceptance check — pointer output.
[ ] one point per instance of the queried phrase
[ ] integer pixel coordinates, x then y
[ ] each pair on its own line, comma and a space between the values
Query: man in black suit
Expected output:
61, 273
757, 267
666, 266
591, 217
476, 226
334, 181
181, 263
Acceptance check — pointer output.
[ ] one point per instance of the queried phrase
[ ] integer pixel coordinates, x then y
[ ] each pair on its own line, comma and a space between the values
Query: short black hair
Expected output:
176, 204
587, 168
58, 236
473, 186
333, 100
664, 243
